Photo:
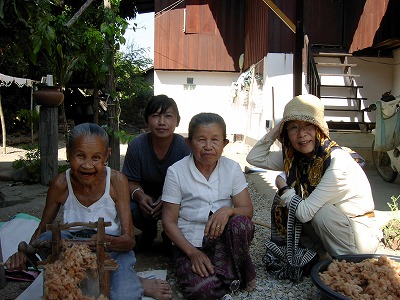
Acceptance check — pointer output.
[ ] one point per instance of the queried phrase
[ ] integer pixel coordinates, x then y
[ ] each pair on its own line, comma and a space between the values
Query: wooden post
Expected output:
298, 52
3, 128
112, 100
55, 241
48, 143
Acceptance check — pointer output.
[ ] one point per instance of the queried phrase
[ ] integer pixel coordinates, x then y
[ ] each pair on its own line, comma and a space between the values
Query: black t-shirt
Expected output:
142, 165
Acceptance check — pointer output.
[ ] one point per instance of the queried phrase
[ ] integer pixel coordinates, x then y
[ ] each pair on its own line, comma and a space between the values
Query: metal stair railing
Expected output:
313, 78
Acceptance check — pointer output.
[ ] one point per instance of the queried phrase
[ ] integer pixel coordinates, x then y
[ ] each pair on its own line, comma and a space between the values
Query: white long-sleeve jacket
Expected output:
343, 184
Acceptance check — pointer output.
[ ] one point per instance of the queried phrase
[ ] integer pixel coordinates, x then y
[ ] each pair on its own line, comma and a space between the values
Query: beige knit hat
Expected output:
307, 108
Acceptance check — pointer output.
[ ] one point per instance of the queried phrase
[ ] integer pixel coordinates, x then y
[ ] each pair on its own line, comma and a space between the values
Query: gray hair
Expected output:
86, 129
206, 119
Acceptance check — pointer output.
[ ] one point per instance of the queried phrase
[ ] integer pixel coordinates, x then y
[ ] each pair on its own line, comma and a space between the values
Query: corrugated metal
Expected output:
323, 21
281, 38
212, 40
219, 31
377, 30
265, 32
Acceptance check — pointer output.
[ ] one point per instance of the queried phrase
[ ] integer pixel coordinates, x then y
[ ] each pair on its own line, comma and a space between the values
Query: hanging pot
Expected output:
48, 95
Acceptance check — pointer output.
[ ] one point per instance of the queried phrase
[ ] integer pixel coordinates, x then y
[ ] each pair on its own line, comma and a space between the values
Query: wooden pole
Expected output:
112, 100
298, 52
3, 128
48, 143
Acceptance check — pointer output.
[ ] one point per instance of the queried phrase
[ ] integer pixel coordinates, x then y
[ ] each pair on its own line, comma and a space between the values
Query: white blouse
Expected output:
197, 196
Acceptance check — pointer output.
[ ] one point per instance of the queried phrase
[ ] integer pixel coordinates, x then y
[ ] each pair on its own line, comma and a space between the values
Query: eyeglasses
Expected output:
294, 128
234, 288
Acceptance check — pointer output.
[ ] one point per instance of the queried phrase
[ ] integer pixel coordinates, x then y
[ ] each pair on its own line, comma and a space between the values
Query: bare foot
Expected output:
156, 288
251, 285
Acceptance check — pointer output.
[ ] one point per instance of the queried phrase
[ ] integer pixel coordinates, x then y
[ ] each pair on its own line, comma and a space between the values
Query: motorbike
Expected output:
386, 145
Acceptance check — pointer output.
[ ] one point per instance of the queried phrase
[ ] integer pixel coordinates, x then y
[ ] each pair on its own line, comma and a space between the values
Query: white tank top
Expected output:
105, 208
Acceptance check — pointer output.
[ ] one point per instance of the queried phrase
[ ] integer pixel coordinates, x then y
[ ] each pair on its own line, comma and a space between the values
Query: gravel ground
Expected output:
267, 286
30, 199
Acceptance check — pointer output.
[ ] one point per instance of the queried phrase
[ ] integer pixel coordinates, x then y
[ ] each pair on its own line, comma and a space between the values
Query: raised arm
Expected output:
261, 154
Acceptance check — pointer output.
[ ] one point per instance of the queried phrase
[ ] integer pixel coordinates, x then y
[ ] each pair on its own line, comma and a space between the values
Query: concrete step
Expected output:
361, 142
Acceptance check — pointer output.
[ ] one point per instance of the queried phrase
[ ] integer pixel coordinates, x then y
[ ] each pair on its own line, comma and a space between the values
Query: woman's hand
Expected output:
274, 132
17, 261
157, 209
201, 264
280, 181
148, 207
217, 222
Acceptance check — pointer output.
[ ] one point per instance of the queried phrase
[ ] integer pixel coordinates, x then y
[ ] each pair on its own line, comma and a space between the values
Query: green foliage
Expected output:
62, 168
394, 207
64, 66
31, 163
35, 41
133, 89
121, 134
391, 230
30, 118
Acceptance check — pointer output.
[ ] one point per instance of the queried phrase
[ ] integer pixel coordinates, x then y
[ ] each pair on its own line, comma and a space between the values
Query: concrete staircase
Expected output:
359, 141
344, 105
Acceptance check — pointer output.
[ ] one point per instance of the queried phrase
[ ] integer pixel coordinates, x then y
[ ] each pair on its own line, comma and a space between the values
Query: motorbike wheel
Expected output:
382, 164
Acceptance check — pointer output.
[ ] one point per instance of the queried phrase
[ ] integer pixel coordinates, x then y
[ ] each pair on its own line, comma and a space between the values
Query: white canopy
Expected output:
6, 80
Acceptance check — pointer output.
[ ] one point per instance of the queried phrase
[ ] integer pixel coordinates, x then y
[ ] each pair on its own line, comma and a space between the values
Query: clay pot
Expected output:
48, 95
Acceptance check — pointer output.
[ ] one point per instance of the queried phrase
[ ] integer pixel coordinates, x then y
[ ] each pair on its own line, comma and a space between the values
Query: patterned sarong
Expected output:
230, 257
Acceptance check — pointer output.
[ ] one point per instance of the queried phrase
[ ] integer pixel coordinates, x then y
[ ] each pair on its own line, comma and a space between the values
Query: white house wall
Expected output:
396, 73
210, 92
376, 77
213, 92
276, 92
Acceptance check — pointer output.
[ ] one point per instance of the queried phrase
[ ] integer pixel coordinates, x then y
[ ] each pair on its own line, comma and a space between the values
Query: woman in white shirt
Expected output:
337, 208
207, 214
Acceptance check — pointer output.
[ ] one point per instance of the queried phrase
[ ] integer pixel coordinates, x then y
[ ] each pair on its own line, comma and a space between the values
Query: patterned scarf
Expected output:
304, 173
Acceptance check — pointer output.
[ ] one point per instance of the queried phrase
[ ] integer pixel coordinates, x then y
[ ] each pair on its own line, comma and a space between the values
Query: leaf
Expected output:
2, 9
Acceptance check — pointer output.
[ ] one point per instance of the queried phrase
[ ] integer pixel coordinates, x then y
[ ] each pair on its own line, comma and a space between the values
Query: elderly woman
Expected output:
207, 214
336, 207
87, 191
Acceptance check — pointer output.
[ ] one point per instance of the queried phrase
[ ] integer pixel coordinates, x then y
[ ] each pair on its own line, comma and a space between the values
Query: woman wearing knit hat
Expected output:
323, 183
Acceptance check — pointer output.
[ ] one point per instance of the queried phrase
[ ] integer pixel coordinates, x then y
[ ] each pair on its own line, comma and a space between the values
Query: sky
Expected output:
143, 37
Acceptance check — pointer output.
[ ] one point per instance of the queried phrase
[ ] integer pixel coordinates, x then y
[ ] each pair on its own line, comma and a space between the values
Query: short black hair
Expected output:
160, 102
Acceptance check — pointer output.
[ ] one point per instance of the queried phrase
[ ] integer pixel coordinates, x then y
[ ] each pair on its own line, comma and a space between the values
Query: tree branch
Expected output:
78, 13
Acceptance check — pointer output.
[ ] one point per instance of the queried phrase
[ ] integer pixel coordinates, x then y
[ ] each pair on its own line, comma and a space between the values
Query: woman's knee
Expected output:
240, 221
240, 226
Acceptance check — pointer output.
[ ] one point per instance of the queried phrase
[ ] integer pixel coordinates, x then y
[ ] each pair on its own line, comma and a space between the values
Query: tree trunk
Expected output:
3, 128
96, 103
64, 118
112, 100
